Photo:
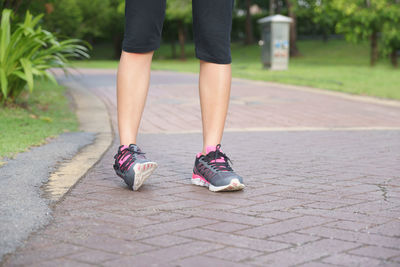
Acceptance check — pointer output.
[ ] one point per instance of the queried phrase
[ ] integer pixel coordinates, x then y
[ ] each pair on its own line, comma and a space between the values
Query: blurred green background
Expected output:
351, 46
335, 41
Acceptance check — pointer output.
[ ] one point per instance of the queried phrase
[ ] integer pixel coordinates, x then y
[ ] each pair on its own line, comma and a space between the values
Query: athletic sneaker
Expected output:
132, 166
213, 171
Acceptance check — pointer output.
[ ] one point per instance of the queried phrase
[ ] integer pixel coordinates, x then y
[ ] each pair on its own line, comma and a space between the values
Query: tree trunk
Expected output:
325, 36
7, 4
374, 48
271, 7
393, 58
14, 4
249, 26
17, 4
293, 30
278, 7
173, 48
117, 41
181, 37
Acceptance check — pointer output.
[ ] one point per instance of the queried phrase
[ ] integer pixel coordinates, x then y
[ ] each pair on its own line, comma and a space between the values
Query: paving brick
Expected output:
278, 205
179, 205
165, 255
324, 205
111, 218
390, 229
376, 252
284, 226
238, 200
228, 216
167, 216
341, 215
218, 207
294, 238
92, 256
234, 254
315, 264
319, 197
113, 245
280, 215
62, 263
226, 227
361, 238
168, 227
305, 253
166, 240
396, 259
206, 261
350, 260
349, 225
233, 240
373, 207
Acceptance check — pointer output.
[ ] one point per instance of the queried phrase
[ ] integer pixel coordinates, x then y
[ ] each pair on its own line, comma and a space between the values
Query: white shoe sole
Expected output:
142, 172
234, 185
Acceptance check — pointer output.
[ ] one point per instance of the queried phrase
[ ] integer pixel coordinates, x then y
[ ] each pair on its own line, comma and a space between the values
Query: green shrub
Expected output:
27, 51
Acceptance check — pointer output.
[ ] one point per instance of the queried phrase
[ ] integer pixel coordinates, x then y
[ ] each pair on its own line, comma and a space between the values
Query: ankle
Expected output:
126, 144
207, 148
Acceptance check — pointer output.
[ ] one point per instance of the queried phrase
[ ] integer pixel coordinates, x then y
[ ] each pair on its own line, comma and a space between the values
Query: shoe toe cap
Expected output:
225, 178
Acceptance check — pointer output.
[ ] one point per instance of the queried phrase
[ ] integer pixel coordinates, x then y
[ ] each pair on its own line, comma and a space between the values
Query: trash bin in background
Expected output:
275, 41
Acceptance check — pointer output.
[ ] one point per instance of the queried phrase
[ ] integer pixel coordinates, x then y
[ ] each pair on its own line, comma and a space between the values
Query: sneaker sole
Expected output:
142, 173
234, 185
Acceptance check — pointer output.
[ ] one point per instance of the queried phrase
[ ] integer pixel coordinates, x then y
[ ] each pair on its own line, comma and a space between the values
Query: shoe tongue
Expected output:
214, 148
122, 147
211, 148
134, 147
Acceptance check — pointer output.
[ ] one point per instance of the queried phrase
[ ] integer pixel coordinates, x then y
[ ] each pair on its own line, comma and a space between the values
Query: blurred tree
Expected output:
79, 19
361, 20
18, 6
169, 34
96, 15
249, 29
246, 5
114, 30
391, 32
65, 19
324, 16
271, 7
292, 6
180, 12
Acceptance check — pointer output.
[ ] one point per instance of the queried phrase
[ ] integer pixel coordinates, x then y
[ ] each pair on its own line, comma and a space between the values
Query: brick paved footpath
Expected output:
314, 197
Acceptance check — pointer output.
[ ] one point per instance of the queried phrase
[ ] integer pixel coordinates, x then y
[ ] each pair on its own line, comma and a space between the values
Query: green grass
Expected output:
334, 65
43, 114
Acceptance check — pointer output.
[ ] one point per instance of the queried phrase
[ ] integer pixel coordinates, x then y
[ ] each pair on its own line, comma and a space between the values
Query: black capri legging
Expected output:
212, 25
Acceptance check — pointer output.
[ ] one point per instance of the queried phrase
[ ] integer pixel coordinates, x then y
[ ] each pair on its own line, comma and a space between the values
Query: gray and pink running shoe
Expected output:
132, 166
213, 171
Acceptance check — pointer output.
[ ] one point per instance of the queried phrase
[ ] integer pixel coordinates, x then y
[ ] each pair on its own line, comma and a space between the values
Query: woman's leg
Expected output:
214, 90
212, 24
143, 27
132, 85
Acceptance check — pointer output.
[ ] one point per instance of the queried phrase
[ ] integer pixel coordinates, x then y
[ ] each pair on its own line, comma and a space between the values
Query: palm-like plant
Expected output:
27, 51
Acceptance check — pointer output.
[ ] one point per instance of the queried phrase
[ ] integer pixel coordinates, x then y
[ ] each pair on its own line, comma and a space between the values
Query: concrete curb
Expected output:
93, 117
